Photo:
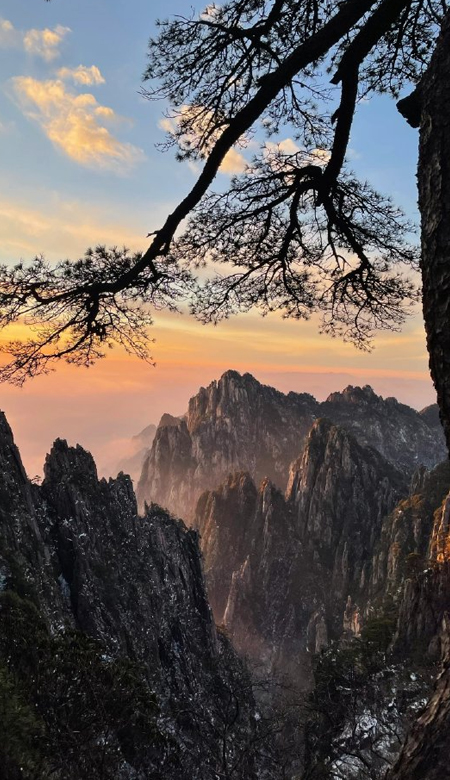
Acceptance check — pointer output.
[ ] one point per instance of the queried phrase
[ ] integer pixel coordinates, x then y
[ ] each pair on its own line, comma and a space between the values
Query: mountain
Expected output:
410, 535
335, 590
238, 424
133, 454
106, 632
280, 569
341, 586
424, 622
389, 686
402, 435
235, 424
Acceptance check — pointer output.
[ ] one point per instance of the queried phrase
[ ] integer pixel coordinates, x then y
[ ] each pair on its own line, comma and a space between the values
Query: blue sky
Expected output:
113, 36
58, 197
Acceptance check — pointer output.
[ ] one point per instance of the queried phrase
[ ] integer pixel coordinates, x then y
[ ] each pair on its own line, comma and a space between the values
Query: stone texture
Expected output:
235, 424
238, 424
133, 583
341, 492
284, 566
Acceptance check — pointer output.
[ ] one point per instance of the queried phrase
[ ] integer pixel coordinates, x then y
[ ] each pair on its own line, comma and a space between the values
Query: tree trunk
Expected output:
434, 204
425, 754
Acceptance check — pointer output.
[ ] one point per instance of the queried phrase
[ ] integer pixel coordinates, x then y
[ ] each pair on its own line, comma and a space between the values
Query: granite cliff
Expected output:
238, 424
280, 569
342, 585
75, 557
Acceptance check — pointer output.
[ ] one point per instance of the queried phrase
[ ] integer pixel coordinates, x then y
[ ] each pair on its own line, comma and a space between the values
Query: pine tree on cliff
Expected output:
425, 753
302, 232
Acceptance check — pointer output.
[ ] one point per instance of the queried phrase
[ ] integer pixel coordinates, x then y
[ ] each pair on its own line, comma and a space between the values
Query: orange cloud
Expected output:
42, 43
82, 75
233, 162
59, 227
83, 405
74, 123
45, 43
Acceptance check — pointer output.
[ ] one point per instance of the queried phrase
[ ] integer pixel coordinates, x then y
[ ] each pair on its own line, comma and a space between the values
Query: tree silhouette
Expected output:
300, 231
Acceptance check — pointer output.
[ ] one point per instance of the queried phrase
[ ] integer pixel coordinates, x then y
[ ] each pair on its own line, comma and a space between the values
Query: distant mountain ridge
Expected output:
239, 424
131, 455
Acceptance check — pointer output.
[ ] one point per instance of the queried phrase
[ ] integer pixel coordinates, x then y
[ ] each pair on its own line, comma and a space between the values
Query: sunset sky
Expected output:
79, 166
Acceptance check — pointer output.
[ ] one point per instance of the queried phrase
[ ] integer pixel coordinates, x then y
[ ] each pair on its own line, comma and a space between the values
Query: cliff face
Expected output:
341, 492
133, 584
285, 566
373, 695
411, 534
228, 523
273, 593
426, 593
403, 436
237, 424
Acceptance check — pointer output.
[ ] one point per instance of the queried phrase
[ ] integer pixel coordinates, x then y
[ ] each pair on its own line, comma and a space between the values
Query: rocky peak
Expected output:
65, 463
341, 492
431, 415
134, 584
354, 395
238, 424
235, 424
15, 489
290, 563
168, 420
402, 435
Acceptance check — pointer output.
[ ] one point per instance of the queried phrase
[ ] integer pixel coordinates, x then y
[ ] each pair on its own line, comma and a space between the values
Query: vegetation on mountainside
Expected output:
66, 709
363, 701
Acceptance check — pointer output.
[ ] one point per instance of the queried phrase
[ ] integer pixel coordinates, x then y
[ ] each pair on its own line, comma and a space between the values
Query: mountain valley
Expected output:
292, 625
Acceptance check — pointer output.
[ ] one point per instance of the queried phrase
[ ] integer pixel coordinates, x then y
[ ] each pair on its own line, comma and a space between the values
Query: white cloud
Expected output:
8, 35
289, 147
75, 124
233, 162
82, 75
44, 43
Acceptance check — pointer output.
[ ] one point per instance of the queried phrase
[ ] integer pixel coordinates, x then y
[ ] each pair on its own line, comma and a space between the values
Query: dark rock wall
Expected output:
133, 583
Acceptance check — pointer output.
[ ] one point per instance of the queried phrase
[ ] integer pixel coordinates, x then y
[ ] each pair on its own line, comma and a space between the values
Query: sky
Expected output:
79, 166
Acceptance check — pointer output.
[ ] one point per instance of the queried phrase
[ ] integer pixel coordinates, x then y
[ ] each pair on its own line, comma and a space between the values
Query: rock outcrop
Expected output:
341, 492
76, 547
411, 535
238, 424
280, 569
405, 437
235, 424
424, 755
